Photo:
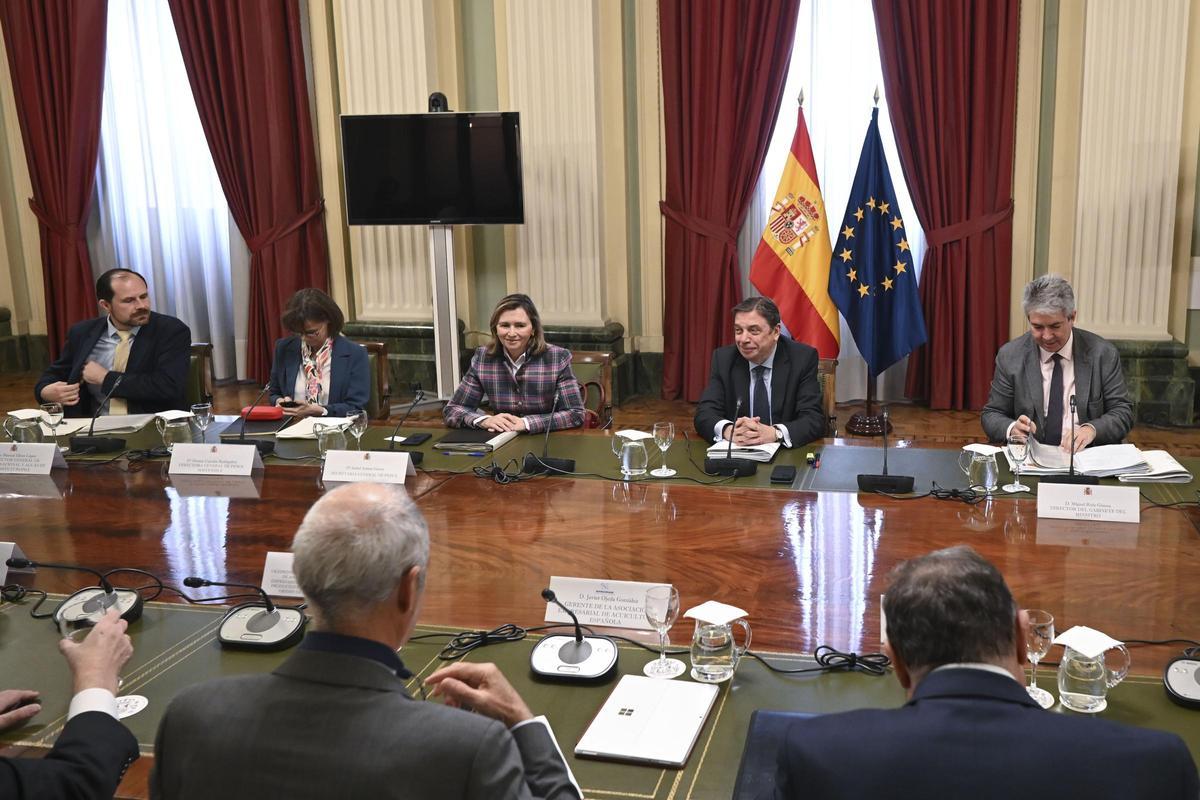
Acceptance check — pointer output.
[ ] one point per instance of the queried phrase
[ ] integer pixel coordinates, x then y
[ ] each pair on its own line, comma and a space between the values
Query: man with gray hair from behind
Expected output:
956, 638
1040, 372
336, 719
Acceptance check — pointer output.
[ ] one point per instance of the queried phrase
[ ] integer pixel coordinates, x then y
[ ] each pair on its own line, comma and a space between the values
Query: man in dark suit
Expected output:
1039, 372
93, 751
763, 388
146, 352
336, 718
969, 729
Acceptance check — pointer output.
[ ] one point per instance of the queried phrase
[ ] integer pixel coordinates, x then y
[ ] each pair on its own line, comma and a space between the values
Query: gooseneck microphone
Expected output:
264, 446
534, 465
414, 456
87, 606
99, 444
1071, 477
889, 484
739, 467
255, 625
573, 657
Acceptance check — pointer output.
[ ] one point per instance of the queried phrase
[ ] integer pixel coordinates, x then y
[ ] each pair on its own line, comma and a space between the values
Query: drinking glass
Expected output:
664, 434
1037, 644
329, 437
662, 609
1018, 451
358, 426
53, 414
202, 416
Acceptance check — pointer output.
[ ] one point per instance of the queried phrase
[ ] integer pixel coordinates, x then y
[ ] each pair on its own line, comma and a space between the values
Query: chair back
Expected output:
826, 374
200, 374
379, 404
593, 370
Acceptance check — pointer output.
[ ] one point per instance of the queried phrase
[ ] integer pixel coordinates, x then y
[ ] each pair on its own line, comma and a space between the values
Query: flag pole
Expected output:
868, 423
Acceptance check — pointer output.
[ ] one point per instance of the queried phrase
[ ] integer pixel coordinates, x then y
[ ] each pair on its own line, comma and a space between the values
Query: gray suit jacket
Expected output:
1100, 396
328, 725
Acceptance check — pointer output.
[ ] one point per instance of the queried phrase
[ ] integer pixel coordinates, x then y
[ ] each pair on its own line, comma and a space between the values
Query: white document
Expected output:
634, 435
214, 459
278, 579
649, 721
1088, 503
28, 458
752, 452
1163, 468
111, 423
1102, 461
303, 429
11, 550
174, 413
355, 466
615, 604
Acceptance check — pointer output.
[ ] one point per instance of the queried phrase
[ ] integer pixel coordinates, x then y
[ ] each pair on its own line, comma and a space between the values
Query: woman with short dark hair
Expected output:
521, 375
318, 372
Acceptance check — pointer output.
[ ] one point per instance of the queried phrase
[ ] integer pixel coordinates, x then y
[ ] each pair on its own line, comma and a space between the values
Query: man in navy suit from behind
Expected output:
969, 729
155, 375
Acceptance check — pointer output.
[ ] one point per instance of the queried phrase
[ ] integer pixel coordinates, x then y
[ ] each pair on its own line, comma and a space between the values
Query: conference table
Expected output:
808, 562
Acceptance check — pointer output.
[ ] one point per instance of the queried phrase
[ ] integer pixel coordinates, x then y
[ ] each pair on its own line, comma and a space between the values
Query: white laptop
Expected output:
649, 721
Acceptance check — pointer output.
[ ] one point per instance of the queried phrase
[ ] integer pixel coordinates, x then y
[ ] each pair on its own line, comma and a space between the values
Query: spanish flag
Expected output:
791, 265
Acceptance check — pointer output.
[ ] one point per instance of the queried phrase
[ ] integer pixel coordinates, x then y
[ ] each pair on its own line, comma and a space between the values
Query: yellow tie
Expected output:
118, 405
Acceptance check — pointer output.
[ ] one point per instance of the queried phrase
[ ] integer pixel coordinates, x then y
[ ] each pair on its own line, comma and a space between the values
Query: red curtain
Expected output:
56, 57
245, 63
724, 63
950, 71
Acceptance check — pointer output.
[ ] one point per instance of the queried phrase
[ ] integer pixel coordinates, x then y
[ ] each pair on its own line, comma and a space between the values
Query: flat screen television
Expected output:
433, 169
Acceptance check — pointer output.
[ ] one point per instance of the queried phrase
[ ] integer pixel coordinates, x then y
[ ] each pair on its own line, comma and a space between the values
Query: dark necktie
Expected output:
1054, 408
762, 406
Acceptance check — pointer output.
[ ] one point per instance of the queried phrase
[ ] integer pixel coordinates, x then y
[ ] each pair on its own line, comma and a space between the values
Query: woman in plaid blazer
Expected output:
520, 374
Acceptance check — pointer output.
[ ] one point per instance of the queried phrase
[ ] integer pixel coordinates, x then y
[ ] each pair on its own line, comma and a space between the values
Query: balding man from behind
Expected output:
335, 719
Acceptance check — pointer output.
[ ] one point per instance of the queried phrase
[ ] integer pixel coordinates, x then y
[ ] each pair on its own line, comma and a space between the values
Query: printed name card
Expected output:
1088, 503
357, 466
616, 604
27, 458
214, 459
278, 579
10, 550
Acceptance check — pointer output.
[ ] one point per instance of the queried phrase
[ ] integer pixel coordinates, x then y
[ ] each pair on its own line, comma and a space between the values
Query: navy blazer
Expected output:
796, 399
349, 375
88, 760
155, 376
972, 733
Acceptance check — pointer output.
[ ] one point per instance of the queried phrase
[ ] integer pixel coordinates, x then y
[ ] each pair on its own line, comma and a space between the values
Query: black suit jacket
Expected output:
349, 374
971, 733
795, 393
155, 377
88, 760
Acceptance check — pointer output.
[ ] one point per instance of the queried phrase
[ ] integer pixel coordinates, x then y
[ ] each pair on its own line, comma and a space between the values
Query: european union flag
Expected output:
871, 278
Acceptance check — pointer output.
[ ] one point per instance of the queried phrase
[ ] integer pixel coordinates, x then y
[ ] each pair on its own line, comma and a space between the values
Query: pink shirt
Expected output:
1068, 375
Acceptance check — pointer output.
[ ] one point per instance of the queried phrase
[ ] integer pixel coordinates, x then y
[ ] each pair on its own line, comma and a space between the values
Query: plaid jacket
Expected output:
530, 396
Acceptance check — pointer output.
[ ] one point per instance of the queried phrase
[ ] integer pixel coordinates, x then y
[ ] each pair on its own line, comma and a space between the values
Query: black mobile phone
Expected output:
415, 438
290, 404
783, 473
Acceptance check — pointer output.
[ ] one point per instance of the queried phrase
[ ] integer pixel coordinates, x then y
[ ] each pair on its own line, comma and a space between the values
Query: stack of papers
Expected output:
120, 423
1104, 461
473, 440
756, 452
1163, 468
303, 429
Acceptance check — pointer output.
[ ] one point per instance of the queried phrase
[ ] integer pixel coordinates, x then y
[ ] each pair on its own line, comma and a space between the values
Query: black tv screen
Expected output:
433, 169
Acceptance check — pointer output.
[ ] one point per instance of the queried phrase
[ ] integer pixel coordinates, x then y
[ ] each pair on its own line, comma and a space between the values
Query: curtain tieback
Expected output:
698, 225
273, 235
72, 233
971, 227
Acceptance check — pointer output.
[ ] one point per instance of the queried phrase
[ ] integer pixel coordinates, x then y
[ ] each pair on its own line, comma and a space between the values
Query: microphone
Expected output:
87, 606
256, 625
99, 444
889, 484
534, 465
1071, 477
415, 457
729, 465
264, 446
573, 657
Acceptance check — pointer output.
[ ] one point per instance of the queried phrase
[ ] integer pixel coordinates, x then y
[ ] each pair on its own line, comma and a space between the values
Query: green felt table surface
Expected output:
176, 646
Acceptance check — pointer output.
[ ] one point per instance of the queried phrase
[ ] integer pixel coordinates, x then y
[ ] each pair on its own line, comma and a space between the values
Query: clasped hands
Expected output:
502, 422
1084, 434
751, 431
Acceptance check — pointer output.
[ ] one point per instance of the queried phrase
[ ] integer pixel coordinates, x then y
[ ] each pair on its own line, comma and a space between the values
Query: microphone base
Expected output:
1081, 480
248, 627
85, 608
415, 456
887, 484
96, 444
535, 465
265, 447
558, 658
740, 467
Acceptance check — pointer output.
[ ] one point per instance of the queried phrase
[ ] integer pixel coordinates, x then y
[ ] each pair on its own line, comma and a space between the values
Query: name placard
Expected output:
10, 550
614, 604
214, 459
278, 578
1088, 503
356, 466
26, 458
